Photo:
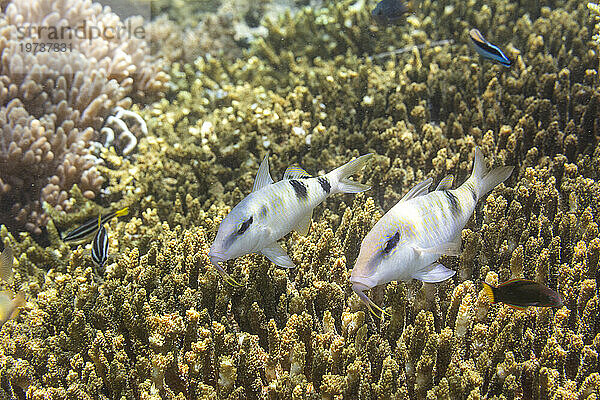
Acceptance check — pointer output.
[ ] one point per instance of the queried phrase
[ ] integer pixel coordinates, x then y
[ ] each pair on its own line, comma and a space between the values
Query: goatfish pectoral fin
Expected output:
448, 249
304, 225
434, 273
226, 277
278, 256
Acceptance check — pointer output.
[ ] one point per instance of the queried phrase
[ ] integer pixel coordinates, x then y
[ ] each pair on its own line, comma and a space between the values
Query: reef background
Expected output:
159, 322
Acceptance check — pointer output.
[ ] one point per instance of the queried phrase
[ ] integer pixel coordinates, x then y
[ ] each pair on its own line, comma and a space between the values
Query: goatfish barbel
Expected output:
273, 210
89, 227
409, 239
487, 50
522, 293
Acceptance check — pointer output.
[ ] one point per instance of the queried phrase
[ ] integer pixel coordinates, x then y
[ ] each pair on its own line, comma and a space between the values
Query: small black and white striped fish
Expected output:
89, 227
273, 210
100, 245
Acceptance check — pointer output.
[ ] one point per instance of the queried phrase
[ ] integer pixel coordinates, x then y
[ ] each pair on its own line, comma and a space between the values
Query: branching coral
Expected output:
53, 104
160, 323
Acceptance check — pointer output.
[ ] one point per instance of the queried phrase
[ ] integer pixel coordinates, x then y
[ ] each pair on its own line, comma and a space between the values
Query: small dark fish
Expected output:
488, 50
90, 227
388, 12
522, 293
100, 245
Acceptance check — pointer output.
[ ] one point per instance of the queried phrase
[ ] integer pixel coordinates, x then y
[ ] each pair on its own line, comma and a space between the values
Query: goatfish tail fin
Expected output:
339, 176
489, 291
485, 180
122, 212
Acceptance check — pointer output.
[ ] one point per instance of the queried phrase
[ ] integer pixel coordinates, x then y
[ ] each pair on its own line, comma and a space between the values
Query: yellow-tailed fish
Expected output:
6, 265
522, 293
89, 227
408, 240
273, 210
9, 305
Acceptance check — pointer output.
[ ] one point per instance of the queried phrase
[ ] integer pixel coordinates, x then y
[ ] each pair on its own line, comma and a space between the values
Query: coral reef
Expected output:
158, 322
53, 103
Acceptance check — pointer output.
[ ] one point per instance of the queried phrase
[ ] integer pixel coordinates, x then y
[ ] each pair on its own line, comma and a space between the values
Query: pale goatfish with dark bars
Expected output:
388, 12
100, 245
408, 240
273, 210
487, 50
522, 293
6, 265
89, 227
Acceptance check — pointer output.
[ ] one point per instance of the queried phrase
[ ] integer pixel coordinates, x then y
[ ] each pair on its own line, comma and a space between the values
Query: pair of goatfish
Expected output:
406, 243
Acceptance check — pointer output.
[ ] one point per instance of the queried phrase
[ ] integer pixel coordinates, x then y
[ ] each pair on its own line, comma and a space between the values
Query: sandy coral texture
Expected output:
159, 323
53, 103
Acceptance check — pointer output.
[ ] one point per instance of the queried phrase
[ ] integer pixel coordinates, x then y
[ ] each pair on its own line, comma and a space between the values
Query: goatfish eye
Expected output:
391, 243
245, 225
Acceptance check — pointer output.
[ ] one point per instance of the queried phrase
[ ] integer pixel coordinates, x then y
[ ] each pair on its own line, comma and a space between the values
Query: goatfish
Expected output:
100, 245
388, 12
89, 227
6, 265
488, 50
522, 293
272, 210
408, 240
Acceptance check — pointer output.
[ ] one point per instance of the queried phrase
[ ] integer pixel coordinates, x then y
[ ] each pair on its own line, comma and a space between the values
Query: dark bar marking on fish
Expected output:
454, 204
392, 243
324, 184
263, 211
473, 193
299, 188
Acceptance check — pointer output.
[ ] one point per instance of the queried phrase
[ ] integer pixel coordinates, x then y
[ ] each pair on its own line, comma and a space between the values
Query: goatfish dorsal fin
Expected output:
419, 189
295, 172
445, 183
263, 176
6, 264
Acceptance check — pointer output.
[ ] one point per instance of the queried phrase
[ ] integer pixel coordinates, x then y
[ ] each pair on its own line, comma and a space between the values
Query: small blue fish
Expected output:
388, 12
100, 245
488, 50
